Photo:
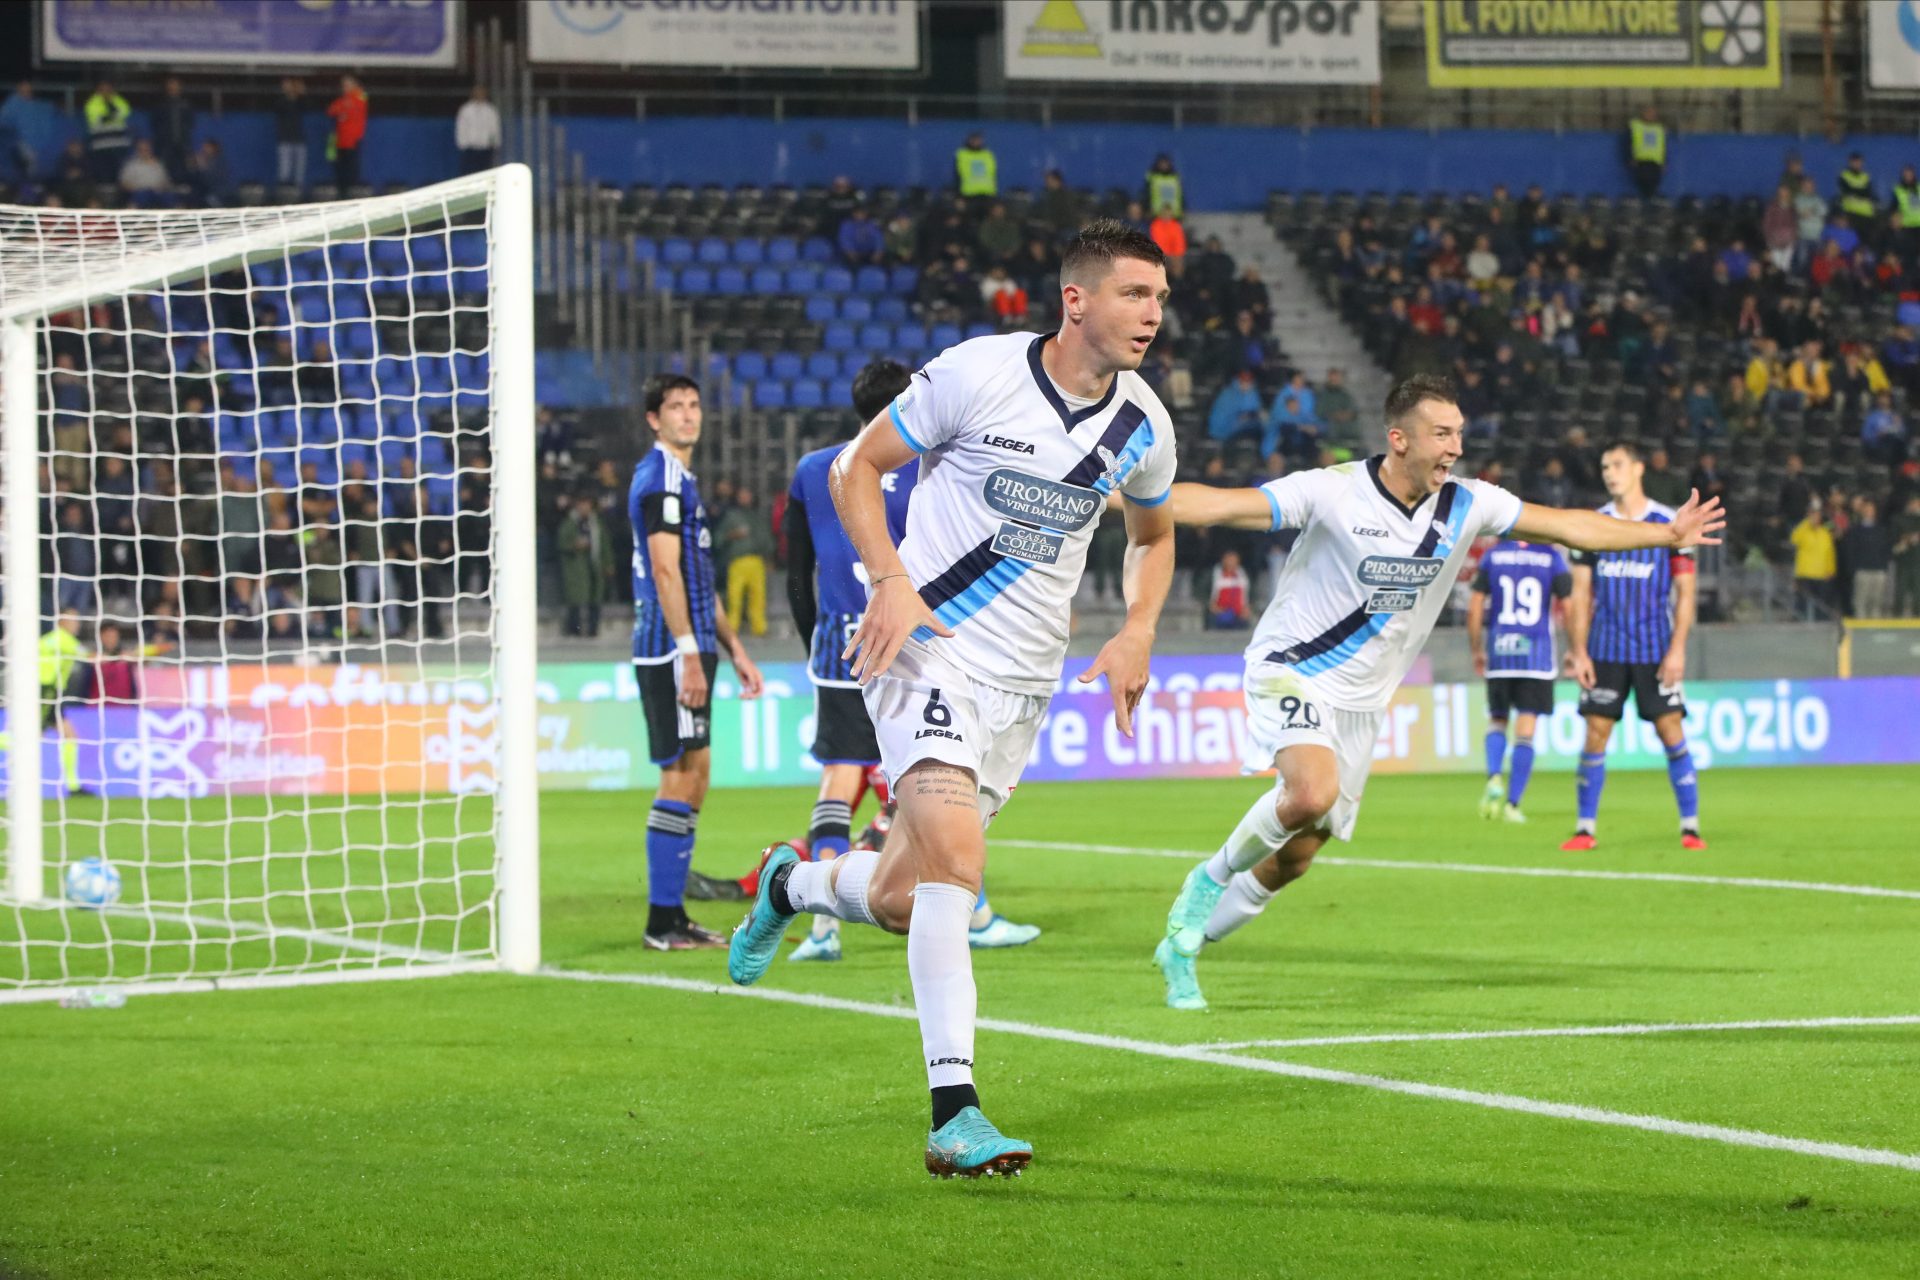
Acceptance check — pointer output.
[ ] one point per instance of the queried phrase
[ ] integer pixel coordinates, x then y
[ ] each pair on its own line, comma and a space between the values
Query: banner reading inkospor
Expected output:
208, 730
267, 33
1603, 44
816, 34
1193, 41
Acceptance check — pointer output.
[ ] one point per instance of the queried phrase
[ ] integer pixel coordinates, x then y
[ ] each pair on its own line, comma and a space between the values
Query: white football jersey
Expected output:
1368, 576
1014, 475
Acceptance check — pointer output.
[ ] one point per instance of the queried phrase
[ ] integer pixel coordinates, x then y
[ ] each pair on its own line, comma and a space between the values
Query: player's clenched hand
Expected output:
1580, 667
1123, 661
693, 681
894, 612
1694, 524
1673, 668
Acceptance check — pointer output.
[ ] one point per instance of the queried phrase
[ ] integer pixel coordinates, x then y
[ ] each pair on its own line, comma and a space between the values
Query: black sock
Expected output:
665, 919
777, 891
949, 1100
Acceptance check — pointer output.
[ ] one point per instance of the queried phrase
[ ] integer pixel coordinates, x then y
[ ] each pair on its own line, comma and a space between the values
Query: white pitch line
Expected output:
1215, 1057
1547, 1033
1475, 868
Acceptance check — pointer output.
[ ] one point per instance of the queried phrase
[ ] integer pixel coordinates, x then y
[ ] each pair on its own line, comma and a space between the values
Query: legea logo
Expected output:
1398, 571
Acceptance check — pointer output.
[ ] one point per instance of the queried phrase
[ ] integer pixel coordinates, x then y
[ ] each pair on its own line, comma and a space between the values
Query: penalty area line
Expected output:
1485, 869
1548, 1033
1295, 1070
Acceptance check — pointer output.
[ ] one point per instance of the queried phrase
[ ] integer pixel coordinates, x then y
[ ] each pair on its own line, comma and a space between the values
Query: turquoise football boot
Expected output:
968, 1146
757, 940
1183, 985
826, 947
1187, 921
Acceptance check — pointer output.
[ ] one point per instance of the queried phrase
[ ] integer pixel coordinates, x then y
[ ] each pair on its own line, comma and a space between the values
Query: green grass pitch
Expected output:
505, 1126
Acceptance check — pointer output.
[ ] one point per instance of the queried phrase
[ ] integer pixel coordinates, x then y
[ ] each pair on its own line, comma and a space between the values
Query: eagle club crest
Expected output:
1110, 469
1440, 527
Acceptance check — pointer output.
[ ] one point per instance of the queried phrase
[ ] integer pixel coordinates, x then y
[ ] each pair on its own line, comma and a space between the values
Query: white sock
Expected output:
941, 966
1244, 899
1258, 835
811, 886
823, 926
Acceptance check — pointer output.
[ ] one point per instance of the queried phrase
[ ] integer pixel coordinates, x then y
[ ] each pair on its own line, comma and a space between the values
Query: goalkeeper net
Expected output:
269, 638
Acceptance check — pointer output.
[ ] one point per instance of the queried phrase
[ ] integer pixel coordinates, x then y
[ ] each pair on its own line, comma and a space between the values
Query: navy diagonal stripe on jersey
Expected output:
1331, 638
975, 564
1438, 525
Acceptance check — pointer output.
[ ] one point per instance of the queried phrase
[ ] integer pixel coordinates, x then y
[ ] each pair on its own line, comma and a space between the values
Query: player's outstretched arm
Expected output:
1236, 508
1145, 581
1694, 525
894, 607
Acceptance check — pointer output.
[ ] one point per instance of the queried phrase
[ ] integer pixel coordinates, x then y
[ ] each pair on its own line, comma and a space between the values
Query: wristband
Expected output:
686, 644
885, 576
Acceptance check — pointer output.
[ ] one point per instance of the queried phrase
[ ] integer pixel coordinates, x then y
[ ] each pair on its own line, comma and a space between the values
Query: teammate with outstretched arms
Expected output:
1381, 544
1021, 438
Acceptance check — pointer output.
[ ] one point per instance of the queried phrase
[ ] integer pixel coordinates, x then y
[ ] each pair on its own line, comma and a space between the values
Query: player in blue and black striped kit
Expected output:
1627, 630
678, 632
1520, 580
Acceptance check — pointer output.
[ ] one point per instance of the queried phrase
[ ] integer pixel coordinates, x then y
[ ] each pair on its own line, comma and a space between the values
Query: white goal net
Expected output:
269, 628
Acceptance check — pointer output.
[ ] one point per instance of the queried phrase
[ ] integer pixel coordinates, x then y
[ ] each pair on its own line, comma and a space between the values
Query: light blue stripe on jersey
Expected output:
1346, 649
1279, 520
893, 411
981, 593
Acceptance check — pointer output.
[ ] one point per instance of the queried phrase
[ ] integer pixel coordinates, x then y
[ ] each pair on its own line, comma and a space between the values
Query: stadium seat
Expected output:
469, 247
838, 337
694, 280
433, 374
429, 251
839, 393
852, 362
817, 249
903, 280
348, 260
823, 365
836, 280
361, 422
891, 310
943, 336
713, 252
980, 331
749, 366
783, 251
786, 366
855, 309
646, 249
764, 280
807, 394
803, 280
319, 426
749, 251
870, 280
769, 393
729, 280
676, 252
876, 338
911, 337
236, 433
821, 309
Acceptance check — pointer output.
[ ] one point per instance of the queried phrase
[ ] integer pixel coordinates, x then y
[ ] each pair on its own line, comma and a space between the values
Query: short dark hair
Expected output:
1410, 393
1629, 447
654, 394
875, 386
1102, 242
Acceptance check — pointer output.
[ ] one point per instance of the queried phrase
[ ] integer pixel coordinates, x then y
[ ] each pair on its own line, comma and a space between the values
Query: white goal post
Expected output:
270, 599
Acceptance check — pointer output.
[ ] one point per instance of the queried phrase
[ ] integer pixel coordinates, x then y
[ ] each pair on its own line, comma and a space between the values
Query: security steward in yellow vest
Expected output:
1647, 150
1163, 190
977, 173
1853, 193
1906, 210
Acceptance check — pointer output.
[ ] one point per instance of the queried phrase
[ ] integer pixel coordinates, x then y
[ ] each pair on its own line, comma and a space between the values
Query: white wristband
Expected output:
686, 644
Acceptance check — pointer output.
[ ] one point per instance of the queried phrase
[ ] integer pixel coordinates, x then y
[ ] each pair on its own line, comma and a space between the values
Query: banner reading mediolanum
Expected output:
1603, 44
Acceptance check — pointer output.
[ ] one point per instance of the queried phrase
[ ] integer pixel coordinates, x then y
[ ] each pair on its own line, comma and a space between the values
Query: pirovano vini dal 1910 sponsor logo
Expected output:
1406, 572
1053, 504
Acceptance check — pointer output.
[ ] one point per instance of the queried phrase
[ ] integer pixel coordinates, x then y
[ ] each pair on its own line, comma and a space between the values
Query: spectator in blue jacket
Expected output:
1237, 410
27, 129
861, 239
1292, 427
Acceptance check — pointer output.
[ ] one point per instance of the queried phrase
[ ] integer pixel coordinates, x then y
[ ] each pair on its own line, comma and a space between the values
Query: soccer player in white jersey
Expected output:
1021, 438
1381, 544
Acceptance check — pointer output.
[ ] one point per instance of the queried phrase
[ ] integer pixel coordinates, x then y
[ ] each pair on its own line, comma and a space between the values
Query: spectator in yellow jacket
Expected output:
1764, 374
1816, 561
1807, 376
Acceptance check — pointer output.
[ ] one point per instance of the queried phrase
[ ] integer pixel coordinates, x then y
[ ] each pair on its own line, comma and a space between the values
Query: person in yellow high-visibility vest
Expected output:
107, 116
1853, 196
61, 652
976, 172
1164, 194
1647, 150
1906, 211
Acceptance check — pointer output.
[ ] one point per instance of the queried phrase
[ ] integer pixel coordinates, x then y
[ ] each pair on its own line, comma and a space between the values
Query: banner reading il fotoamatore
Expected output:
1193, 41
253, 730
266, 33
1893, 46
1603, 44
879, 35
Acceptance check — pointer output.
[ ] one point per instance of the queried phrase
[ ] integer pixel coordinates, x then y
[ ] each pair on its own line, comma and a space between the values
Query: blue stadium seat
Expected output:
911, 337
469, 247
823, 365
429, 251
436, 456
389, 258
802, 280
730, 280
718, 362
285, 465
853, 362
312, 303
646, 249
434, 374
856, 310
713, 251
876, 338
808, 394
353, 340
818, 249
839, 393
694, 280
357, 454
786, 366
870, 280
749, 366
392, 452
980, 331
351, 304
361, 422
770, 394
943, 336
319, 426
903, 280
325, 462
765, 280
470, 280
245, 465
836, 280
749, 251
399, 421
891, 310
393, 376
783, 251
821, 309
470, 372
839, 337
432, 402
312, 265
236, 433
676, 252
349, 261
267, 273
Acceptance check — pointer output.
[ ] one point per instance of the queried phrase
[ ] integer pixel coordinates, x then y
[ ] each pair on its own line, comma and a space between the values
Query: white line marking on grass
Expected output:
1543, 1033
1299, 1071
1474, 868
